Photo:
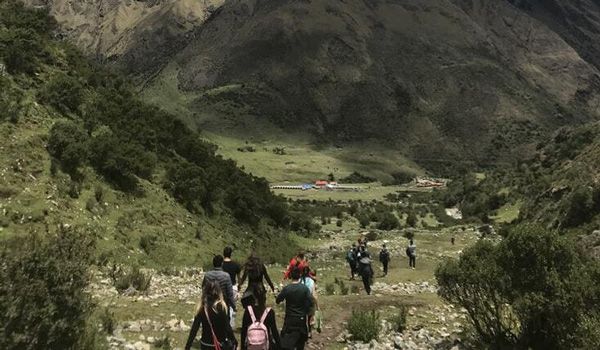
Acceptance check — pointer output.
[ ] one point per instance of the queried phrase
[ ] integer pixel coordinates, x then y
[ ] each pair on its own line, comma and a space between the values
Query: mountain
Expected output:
441, 81
81, 150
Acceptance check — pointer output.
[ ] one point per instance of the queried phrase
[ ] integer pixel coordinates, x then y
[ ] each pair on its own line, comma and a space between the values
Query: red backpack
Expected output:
257, 336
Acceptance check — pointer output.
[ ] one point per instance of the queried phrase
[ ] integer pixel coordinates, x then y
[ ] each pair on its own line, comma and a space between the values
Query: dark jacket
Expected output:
220, 323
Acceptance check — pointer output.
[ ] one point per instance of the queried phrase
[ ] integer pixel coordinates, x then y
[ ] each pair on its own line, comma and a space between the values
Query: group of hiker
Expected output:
221, 290
360, 263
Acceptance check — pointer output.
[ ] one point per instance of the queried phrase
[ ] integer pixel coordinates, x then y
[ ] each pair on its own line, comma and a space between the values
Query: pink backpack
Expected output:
257, 337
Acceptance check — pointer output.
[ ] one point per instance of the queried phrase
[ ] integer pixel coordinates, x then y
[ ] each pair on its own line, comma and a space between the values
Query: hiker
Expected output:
452, 240
259, 326
212, 316
234, 270
297, 305
411, 252
351, 259
309, 282
384, 258
222, 278
256, 272
365, 269
299, 261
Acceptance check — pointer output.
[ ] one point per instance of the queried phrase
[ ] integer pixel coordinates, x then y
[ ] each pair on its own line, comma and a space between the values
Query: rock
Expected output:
134, 326
141, 346
151, 340
172, 324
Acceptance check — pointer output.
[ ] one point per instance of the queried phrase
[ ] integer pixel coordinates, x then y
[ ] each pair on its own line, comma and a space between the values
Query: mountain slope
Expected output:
443, 80
78, 148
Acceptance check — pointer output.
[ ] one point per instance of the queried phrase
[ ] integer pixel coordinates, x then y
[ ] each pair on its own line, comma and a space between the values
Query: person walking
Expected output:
309, 282
411, 251
256, 272
297, 305
222, 278
233, 269
259, 326
384, 258
351, 259
365, 269
212, 316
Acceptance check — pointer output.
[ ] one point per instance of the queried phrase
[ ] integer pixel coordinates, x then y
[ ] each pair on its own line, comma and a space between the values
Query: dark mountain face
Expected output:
445, 79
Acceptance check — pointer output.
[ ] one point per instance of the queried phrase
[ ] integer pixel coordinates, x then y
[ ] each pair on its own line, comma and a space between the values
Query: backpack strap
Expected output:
251, 312
264, 315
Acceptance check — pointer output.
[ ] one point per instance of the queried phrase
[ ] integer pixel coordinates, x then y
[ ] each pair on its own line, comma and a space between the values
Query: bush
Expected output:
68, 143
43, 303
343, 288
354, 289
108, 321
411, 219
532, 290
62, 92
134, 278
364, 325
398, 320
388, 222
339, 223
147, 243
329, 289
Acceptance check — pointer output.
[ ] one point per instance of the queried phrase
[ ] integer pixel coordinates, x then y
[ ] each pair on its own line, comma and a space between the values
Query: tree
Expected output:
411, 219
388, 221
531, 291
63, 92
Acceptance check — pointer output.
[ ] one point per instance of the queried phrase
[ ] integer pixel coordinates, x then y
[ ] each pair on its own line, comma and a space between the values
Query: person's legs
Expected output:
412, 261
366, 283
385, 268
351, 270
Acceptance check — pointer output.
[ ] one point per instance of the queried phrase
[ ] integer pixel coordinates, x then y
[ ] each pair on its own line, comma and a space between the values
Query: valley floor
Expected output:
168, 307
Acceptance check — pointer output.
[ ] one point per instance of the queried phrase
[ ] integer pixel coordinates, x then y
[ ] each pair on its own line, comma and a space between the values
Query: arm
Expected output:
229, 291
242, 280
245, 324
271, 323
266, 274
281, 296
193, 332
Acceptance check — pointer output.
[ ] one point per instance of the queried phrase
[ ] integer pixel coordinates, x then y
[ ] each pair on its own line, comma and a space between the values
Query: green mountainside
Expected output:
79, 149
438, 82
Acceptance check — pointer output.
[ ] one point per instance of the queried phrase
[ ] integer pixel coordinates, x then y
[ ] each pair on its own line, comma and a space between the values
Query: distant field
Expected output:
302, 161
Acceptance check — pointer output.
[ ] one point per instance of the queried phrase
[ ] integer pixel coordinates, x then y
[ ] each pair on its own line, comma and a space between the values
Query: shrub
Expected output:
63, 92
343, 288
354, 289
398, 320
134, 278
68, 143
147, 243
339, 223
108, 321
43, 303
329, 289
532, 290
364, 325
411, 219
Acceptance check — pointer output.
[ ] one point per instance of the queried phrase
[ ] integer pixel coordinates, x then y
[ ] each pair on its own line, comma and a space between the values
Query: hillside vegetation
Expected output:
79, 149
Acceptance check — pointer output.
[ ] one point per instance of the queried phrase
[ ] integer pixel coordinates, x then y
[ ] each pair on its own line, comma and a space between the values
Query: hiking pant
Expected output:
294, 333
352, 269
385, 267
367, 282
412, 261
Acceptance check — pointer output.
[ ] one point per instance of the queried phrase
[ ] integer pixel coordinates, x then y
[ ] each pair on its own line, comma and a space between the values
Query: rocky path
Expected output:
166, 309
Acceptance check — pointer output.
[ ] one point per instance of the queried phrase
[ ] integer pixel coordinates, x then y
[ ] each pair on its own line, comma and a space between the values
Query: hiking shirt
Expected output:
220, 323
257, 278
384, 255
412, 249
233, 269
309, 283
270, 323
297, 298
224, 281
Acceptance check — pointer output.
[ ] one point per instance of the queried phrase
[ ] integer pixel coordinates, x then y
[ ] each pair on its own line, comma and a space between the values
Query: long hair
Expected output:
212, 297
253, 266
260, 298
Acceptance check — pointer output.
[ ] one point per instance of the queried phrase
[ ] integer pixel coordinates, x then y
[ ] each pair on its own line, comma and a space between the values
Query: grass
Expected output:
508, 213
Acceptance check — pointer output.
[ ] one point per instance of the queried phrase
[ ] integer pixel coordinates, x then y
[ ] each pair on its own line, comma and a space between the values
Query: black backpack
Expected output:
384, 255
